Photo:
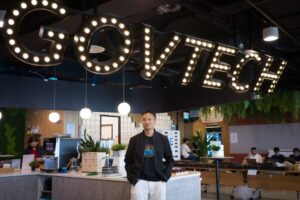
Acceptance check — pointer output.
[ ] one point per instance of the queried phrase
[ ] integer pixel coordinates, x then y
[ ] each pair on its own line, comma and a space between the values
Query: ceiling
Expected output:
234, 22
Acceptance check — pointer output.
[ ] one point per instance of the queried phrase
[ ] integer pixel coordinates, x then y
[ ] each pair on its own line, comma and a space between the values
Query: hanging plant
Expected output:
270, 107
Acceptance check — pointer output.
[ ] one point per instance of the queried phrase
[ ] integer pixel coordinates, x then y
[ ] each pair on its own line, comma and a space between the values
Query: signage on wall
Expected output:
151, 66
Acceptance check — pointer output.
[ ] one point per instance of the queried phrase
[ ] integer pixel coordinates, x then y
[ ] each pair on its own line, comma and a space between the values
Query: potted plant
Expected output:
33, 164
118, 149
93, 155
216, 151
199, 144
118, 157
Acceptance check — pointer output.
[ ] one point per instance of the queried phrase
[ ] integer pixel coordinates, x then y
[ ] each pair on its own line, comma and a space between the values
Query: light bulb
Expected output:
0, 115
54, 117
85, 113
124, 108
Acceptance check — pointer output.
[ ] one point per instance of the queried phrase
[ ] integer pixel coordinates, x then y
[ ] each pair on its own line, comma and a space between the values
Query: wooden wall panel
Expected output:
40, 118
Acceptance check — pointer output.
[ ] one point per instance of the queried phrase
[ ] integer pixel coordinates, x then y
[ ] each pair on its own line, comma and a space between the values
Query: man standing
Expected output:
144, 164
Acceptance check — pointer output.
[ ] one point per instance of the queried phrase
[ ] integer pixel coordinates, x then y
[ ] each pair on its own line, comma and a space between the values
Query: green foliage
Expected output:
12, 142
34, 164
200, 144
215, 147
89, 145
118, 147
271, 108
92, 174
10, 138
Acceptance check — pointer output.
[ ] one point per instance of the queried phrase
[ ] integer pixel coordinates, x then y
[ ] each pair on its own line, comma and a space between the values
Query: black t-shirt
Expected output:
280, 158
295, 158
148, 171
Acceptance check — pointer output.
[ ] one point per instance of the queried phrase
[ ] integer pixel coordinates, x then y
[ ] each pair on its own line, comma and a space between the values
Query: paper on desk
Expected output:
26, 160
16, 163
252, 172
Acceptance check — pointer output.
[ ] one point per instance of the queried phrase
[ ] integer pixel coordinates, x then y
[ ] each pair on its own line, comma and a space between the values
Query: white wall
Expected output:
264, 137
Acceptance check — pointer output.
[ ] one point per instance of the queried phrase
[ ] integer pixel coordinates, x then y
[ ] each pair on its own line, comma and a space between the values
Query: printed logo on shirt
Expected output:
149, 151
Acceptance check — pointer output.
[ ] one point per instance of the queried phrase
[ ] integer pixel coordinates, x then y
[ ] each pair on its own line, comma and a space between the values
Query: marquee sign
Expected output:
151, 67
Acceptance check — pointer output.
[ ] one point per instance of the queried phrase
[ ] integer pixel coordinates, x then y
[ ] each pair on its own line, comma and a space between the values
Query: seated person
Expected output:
253, 155
34, 148
277, 157
296, 155
186, 151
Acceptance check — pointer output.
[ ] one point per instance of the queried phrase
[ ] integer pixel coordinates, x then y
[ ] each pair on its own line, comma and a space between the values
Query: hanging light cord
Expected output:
85, 88
123, 84
54, 89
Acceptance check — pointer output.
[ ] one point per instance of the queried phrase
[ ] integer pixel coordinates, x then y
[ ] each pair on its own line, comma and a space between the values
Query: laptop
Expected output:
251, 161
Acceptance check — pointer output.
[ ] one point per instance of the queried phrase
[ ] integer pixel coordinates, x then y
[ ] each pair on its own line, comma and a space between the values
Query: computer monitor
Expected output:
65, 149
49, 145
186, 116
190, 116
251, 161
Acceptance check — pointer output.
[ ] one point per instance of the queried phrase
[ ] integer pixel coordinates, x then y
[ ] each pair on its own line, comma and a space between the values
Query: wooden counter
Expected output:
288, 181
79, 186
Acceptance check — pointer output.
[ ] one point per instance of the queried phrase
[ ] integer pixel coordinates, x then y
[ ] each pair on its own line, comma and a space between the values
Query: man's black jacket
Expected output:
134, 157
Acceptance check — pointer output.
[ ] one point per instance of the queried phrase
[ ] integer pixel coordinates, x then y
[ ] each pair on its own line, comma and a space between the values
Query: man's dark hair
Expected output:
152, 113
276, 149
184, 140
253, 148
295, 149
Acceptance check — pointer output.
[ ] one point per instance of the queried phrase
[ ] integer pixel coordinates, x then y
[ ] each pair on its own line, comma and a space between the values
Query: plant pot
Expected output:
93, 161
119, 161
33, 168
120, 153
218, 154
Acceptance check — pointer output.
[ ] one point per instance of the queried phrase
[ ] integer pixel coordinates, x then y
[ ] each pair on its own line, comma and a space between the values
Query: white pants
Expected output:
148, 190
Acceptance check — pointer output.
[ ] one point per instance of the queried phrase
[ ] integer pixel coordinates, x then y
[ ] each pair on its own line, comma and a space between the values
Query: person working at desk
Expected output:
34, 148
186, 151
296, 155
277, 157
253, 155
144, 164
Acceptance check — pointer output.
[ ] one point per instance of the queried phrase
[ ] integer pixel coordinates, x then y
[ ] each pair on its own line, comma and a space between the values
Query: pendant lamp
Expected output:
54, 116
270, 34
85, 113
124, 107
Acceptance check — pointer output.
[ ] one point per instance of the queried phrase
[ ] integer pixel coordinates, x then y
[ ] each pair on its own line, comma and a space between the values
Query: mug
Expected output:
110, 162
